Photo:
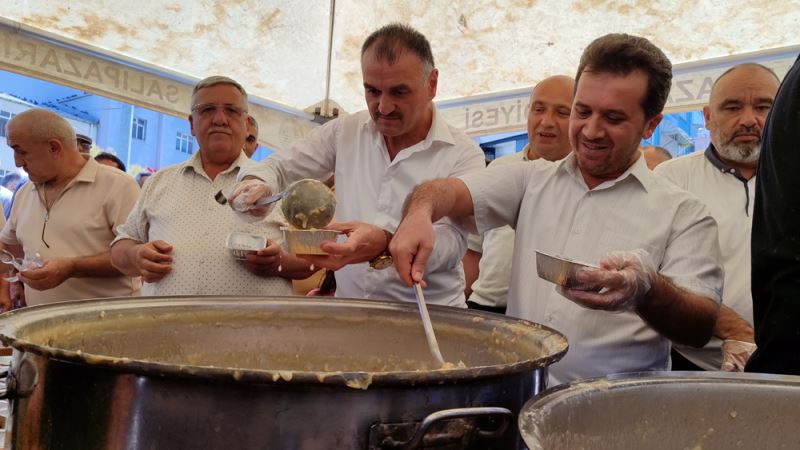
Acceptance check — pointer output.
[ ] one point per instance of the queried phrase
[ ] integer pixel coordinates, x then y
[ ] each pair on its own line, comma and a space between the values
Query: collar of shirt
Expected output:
87, 174
439, 130
638, 171
195, 163
525, 152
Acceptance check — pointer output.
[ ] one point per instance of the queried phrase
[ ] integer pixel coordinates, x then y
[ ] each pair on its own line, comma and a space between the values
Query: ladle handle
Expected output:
433, 345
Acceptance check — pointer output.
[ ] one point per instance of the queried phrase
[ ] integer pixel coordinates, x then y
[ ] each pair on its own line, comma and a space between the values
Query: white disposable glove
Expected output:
735, 354
243, 199
622, 280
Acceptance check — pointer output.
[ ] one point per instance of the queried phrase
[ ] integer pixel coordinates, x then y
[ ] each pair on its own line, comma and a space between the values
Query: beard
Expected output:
746, 153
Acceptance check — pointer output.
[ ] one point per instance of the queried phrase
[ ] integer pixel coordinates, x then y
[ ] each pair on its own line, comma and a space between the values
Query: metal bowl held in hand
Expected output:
267, 373
666, 410
308, 204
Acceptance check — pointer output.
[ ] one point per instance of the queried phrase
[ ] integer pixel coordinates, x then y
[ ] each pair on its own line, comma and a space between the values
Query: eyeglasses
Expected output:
250, 139
208, 110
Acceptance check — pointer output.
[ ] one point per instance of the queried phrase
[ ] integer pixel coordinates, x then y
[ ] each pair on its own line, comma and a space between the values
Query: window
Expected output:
5, 116
184, 143
139, 129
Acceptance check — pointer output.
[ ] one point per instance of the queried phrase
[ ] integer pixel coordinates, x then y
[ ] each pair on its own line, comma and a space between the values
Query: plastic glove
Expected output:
621, 282
735, 354
243, 199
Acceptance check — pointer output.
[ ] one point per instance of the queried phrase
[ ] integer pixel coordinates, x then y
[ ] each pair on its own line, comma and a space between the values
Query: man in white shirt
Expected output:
723, 177
377, 157
655, 244
488, 256
175, 236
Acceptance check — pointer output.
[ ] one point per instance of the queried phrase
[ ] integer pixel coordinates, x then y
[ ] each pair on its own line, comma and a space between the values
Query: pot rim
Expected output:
357, 380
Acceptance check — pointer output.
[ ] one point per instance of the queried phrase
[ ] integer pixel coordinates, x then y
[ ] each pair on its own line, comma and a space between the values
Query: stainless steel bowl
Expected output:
666, 410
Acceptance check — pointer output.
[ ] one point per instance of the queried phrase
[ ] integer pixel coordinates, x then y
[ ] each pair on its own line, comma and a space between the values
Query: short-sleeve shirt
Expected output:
80, 222
729, 198
552, 210
177, 206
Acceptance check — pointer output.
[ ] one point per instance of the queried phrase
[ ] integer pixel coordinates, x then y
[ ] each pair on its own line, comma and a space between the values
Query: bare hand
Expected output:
54, 272
364, 242
412, 245
153, 260
622, 280
265, 262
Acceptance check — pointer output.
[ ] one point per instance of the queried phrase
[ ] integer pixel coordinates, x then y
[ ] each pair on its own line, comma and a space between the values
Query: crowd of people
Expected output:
416, 204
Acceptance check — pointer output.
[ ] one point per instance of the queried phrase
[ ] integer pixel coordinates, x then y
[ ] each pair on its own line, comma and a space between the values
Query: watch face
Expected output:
381, 262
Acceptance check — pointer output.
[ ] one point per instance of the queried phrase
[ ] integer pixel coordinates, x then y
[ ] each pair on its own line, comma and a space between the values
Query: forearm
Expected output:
123, 257
678, 314
731, 325
96, 266
448, 197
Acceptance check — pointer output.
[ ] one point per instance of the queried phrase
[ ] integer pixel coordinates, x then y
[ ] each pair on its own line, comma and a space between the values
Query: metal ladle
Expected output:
433, 345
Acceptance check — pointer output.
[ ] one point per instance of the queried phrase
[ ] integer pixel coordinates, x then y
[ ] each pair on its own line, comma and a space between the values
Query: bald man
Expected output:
66, 215
487, 263
723, 177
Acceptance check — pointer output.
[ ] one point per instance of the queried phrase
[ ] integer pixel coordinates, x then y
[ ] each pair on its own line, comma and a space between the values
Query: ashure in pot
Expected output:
253, 373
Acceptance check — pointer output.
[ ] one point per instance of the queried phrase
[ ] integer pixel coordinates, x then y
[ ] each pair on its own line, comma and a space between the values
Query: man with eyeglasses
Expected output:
175, 237
251, 142
67, 215
378, 156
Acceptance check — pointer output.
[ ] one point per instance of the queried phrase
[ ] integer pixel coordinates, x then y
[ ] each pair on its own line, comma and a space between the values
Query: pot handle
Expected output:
458, 413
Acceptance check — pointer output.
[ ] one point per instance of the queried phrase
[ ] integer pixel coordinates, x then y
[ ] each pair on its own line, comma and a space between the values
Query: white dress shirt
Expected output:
729, 197
553, 210
177, 206
370, 188
496, 247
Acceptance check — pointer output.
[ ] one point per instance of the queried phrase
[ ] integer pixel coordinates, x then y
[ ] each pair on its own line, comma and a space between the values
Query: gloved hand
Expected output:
244, 196
622, 280
735, 354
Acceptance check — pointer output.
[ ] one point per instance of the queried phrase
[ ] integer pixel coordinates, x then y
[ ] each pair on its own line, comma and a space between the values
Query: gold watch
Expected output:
384, 260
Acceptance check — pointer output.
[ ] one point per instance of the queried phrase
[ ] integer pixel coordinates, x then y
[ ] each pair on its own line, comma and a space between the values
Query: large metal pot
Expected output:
250, 373
666, 410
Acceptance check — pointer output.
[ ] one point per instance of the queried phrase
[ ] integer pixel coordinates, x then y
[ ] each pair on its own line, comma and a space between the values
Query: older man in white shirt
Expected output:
723, 177
377, 157
656, 245
175, 236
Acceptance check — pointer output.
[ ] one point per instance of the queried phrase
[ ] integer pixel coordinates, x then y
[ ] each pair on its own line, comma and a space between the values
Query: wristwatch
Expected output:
384, 260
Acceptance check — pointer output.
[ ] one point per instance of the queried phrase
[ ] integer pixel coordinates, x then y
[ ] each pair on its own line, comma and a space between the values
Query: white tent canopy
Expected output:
278, 49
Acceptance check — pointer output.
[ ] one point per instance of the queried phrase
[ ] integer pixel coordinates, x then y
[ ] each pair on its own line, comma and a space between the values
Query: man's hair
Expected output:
749, 65
664, 152
622, 54
215, 80
42, 125
252, 121
105, 156
389, 41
